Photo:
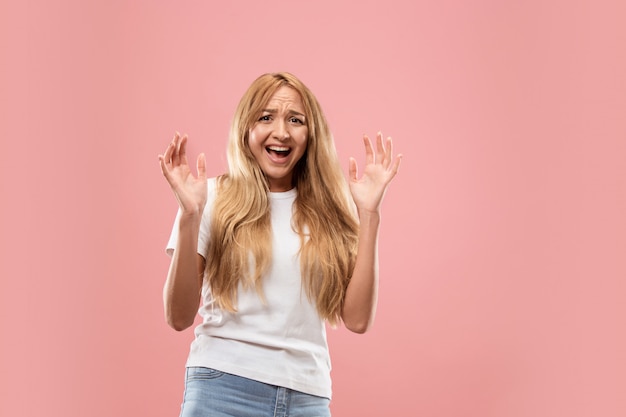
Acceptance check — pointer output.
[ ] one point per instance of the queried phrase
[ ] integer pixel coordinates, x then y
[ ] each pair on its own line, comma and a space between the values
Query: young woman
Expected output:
271, 251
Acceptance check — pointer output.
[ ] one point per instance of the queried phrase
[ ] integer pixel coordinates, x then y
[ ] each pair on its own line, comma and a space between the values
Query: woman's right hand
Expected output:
190, 191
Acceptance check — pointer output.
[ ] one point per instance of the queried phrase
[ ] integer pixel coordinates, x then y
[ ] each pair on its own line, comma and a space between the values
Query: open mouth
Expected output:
278, 151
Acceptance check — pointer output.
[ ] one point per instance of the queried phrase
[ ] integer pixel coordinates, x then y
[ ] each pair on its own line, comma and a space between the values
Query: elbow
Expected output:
177, 323
179, 327
358, 321
359, 327
178, 314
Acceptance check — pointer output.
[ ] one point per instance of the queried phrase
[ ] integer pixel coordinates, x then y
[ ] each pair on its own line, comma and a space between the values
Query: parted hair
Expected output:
240, 230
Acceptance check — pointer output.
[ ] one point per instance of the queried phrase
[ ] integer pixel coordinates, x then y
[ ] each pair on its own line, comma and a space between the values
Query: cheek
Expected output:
305, 141
252, 146
253, 139
257, 135
303, 137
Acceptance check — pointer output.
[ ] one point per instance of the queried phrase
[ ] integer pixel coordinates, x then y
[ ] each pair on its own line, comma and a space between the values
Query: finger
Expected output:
396, 166
201, 166
352, 170
164, 169
369, 151
183, 150
176, 150
167, 156
388, 153
380, 149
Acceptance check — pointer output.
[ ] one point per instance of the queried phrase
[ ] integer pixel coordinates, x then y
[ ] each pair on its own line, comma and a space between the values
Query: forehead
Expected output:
286, 97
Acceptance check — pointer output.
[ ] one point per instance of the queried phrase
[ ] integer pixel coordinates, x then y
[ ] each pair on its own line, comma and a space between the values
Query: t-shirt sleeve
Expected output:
203, 234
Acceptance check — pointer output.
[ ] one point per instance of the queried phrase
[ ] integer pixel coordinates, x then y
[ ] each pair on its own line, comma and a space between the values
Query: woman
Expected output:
271, 250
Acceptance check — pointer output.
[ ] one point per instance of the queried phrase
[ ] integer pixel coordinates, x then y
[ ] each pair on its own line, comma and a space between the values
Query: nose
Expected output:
281, 132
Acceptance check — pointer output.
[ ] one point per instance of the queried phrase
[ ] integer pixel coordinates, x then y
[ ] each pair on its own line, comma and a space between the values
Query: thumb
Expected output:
201, 166
352, 170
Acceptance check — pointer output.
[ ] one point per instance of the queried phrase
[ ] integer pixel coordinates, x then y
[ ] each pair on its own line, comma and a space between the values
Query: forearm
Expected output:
359, 307
181, 293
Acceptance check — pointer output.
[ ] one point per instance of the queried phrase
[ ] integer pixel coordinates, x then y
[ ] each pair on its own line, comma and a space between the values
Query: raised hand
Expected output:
190, 191
380, 169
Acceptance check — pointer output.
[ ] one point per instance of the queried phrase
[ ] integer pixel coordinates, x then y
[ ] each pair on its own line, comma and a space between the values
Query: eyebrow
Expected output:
274, 111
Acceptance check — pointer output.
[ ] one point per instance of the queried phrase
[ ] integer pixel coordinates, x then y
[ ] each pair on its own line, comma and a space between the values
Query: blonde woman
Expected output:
271, 251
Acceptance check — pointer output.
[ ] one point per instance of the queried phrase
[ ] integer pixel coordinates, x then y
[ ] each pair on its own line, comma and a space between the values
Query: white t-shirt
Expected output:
282, 342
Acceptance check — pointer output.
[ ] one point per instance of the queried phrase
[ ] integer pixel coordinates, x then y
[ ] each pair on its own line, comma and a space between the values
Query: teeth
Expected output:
278, 148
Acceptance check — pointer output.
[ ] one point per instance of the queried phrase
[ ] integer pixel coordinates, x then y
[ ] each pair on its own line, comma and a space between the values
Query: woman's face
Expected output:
278, 139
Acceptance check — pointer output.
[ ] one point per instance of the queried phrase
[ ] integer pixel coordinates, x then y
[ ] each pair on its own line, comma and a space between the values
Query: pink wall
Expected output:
504, 235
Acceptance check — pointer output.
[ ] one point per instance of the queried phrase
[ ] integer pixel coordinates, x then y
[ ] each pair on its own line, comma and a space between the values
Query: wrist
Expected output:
190, 218
369, 217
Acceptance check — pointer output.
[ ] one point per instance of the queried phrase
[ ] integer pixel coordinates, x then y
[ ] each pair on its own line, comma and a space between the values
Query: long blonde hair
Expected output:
323, 216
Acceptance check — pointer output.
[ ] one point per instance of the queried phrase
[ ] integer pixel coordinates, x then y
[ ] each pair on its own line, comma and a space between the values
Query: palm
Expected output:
380, 168
190, 191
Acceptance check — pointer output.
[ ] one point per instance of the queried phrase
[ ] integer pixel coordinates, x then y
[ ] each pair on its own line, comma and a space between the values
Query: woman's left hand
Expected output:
380, 169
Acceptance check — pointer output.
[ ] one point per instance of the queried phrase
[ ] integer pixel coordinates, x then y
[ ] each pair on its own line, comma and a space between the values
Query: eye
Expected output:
265, 118
296, 120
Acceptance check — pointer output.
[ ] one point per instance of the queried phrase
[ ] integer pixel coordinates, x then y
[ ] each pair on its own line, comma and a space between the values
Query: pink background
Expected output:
504, 235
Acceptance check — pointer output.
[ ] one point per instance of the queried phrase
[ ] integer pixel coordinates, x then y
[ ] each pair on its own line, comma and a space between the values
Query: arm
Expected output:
359, 307
182, 289
181, 293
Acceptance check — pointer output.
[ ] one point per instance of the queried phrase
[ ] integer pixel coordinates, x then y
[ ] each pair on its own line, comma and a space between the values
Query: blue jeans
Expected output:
211, 393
